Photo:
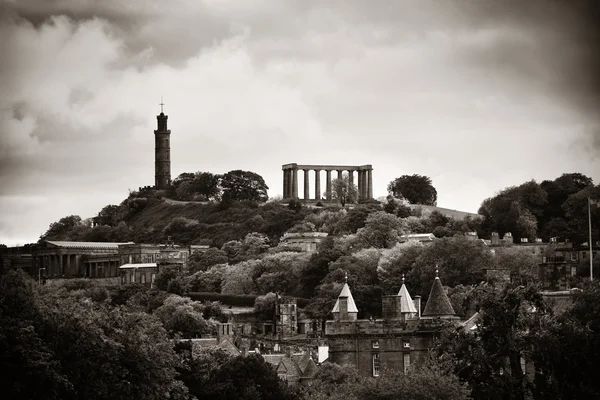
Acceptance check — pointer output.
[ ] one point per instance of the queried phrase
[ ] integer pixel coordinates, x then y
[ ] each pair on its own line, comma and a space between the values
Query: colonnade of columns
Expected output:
290, 180
70, 265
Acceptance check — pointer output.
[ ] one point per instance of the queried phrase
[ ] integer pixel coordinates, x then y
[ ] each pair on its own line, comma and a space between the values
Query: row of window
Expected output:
405, 344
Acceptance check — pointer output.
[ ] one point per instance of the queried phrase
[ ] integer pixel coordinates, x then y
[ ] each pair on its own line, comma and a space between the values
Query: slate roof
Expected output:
438, 304
406, 302
86, 245
345, 293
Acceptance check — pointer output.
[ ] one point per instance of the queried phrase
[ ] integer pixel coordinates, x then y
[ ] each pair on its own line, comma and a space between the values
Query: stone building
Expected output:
306, 241
401, 338
64, 259
364, 175
54, 260
556, 271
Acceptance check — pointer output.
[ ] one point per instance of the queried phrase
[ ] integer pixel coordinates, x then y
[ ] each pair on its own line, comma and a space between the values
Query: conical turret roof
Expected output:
406, 302
438, 304
345, 293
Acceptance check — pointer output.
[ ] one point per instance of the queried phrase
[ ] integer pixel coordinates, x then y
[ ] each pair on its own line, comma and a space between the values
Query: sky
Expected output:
477, 95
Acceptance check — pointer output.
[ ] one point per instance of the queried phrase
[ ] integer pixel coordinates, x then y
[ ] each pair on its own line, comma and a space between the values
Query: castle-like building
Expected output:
401, 338
162, 155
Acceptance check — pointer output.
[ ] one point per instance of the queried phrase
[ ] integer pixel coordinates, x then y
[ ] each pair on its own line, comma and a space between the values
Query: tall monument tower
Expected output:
162, 148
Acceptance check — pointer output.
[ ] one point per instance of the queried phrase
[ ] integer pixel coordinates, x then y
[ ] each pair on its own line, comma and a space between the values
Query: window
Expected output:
584, 255
406, 362
523, 365
406, 344
143, 278
376, 364
375, 344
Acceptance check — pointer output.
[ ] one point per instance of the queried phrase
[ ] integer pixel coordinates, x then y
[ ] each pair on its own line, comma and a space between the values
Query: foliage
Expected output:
182, 317
295, 205
489, 357
241, 185
202, 260
67, 228
204, 185
58, 344
344, 191
164, 277
382, 230
555, 208
264, 306
417, 189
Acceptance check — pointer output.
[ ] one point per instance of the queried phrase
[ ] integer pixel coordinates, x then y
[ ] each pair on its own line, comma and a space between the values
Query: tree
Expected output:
62, 230
201, 261
264, 306
489, 357
343, 191
417, 189
182, 316
241, 185
382, 230
246, 378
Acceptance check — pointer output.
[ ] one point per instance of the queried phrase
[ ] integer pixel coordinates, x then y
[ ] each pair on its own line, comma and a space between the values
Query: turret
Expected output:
345, 308
438, 304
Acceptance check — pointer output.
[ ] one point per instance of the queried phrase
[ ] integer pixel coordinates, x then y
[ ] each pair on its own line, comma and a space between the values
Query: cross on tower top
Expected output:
161, 104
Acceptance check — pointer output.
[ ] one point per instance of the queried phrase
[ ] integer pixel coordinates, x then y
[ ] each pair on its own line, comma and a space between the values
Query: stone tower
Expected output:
162, 157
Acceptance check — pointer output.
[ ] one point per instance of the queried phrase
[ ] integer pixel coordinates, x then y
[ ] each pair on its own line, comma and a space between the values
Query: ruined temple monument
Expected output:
162, 155
290, 180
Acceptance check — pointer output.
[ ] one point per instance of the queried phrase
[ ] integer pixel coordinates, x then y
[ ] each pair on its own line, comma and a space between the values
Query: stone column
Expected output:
351, 177
69, 264
340, 173
365, 183
60, 265
295, 183
360, 185
370, 178
328, 186
317, 184
285, 184
306, 185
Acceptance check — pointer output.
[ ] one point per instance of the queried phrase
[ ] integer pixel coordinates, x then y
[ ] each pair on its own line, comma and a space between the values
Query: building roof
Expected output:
438, 304
86, 245
406, 302
471, 324
140, 265
345, 293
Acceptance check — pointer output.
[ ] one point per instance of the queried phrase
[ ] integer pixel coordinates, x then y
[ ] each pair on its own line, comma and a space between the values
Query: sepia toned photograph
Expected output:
299, 199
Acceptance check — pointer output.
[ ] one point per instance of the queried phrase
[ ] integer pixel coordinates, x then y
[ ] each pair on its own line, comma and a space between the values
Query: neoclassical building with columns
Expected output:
364, 175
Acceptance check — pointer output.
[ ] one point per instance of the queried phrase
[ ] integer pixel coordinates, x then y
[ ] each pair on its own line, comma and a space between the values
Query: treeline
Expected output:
556, 208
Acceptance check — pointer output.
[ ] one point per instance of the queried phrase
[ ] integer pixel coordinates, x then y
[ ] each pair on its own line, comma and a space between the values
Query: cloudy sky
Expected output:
478, 95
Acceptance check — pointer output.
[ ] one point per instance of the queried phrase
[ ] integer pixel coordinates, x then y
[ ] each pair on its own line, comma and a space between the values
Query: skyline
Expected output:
476, 96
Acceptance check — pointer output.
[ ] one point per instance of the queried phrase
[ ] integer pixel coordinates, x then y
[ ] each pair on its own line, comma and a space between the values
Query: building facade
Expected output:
403, 337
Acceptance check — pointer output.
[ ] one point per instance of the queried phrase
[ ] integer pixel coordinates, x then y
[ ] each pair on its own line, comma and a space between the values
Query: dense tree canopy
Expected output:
417, 189
556, 208
241, 185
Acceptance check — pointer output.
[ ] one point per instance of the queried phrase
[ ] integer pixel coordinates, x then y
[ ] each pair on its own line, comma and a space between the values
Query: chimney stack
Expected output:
495, 239
417, 302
